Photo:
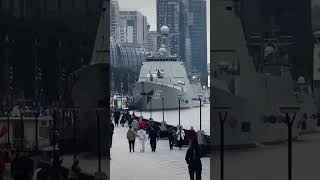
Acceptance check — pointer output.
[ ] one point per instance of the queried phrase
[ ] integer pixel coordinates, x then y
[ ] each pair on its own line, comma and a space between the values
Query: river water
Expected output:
188, 117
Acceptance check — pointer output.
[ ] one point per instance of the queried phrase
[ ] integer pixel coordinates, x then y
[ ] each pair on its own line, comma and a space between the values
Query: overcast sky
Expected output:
148, 8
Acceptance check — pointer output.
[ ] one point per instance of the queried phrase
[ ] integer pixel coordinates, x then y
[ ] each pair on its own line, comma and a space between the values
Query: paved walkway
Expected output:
270, 162
160, 165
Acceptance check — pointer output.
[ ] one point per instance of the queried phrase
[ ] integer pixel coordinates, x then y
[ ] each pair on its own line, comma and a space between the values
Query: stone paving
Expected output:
139, 166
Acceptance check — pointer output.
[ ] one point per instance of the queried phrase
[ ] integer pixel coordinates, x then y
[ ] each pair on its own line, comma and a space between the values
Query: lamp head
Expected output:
222, 108
289, 109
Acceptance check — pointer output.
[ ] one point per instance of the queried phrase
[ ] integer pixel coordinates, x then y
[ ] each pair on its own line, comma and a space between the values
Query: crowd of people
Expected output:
143, 130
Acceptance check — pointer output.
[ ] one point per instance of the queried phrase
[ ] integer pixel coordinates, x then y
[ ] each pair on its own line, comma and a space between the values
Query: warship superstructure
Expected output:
254, 92
164, 82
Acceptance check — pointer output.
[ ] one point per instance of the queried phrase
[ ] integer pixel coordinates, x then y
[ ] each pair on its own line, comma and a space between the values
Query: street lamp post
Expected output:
74, 133
99, 141
21, 128
150, 107
8, 127
54, 134
162, 108
179, 100
222, 120
133, 104
287, 110
141, 106
200, 100
36, 114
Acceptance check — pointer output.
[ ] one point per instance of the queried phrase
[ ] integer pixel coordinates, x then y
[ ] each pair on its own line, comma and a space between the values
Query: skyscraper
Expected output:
196, 37
152, 38
114, 23
133, 27
171, 13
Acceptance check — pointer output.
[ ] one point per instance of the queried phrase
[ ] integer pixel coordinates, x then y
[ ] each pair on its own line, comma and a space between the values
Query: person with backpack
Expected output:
131, 136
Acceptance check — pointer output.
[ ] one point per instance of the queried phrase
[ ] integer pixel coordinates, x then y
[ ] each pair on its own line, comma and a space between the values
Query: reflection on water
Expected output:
188, 117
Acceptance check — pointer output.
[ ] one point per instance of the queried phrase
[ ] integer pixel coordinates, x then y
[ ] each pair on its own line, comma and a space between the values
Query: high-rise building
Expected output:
133, 27
152, 38
171, 13
114, 23
196, 37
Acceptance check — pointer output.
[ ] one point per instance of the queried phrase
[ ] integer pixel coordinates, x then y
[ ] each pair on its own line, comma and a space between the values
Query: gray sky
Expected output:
148, 8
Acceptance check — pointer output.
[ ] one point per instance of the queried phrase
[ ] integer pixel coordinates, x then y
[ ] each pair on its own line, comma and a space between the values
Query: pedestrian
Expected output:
131, 136
135, 125
130, 119
171, 135
201, 141
180, 136
153, 136
123, 120
193, 159
192, 134
116, 116
142, 124
163, 129
74, 171
142, 135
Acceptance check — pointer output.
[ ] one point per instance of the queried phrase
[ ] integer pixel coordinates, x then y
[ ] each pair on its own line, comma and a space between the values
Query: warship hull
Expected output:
157, 92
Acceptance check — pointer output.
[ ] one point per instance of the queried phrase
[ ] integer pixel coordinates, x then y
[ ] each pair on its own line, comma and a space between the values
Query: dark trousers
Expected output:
180, 142
116, 122
153, 144
171, 143
196, 172
131, 145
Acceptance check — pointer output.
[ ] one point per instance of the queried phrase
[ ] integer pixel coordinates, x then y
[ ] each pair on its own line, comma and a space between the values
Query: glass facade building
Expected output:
126, 55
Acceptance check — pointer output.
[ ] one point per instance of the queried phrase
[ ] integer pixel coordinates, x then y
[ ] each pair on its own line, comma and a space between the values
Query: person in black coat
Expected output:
153, 136
171, 136
123, 120
116, 117
193, 160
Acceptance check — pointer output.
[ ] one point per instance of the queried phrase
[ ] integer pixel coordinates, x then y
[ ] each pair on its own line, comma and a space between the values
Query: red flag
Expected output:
3, 131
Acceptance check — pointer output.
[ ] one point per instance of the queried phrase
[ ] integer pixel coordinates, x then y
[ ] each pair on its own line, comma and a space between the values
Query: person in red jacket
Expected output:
142, 124
192, 134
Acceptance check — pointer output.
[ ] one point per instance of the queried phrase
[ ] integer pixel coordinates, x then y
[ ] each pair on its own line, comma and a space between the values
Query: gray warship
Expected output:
254, 92
163, 80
